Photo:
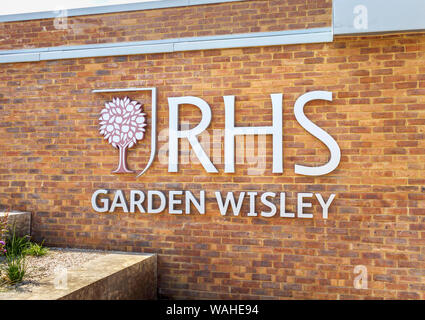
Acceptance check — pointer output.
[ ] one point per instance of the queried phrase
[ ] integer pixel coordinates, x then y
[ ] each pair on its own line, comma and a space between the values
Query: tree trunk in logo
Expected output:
123, 124
122, 164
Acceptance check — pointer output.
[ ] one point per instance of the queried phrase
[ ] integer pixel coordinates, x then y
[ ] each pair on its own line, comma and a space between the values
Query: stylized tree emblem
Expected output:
123, 124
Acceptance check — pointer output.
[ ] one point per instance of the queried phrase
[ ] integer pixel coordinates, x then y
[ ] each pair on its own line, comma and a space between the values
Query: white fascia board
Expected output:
19, 57
254, 41
105, 52
170, 45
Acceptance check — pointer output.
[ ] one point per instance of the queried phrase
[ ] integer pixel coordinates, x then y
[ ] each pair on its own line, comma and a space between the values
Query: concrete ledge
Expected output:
21, 221
115, 276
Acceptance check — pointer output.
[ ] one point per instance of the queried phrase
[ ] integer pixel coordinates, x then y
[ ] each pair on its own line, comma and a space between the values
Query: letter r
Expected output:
175, 134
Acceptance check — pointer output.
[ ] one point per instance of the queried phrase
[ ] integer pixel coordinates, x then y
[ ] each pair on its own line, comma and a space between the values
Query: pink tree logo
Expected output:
123, 124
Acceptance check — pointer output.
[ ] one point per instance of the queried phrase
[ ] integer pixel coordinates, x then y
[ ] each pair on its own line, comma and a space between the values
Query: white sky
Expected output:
26, 6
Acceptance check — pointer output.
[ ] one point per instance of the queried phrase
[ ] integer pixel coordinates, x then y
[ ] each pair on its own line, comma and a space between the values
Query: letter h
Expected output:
231, 131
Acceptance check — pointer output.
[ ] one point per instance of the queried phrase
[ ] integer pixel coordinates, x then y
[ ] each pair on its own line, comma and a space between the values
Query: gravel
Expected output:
45, 266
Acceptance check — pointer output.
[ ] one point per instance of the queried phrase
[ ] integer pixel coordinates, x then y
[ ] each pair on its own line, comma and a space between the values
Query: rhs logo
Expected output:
122, 123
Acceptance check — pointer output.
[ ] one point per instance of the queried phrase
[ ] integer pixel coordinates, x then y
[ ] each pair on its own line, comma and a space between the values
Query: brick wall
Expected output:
53, 158
193, 21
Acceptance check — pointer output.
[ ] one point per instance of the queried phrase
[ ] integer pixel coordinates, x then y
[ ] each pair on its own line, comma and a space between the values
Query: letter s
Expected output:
318, 133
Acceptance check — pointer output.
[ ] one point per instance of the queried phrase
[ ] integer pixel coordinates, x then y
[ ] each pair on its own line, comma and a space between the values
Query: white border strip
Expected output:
170, 45
159, 4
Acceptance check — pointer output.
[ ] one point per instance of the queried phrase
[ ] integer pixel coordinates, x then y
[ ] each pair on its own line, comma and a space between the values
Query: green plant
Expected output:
35, 249
15, 269
15, 246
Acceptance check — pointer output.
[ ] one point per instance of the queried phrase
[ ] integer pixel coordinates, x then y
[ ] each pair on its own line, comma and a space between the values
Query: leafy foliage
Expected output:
15, 269
16, 246
35, 249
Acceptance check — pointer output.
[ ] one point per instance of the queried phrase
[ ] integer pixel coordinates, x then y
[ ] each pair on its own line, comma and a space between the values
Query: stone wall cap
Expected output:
13, 213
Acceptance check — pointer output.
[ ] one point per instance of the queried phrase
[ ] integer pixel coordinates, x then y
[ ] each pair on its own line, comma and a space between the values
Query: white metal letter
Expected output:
105, 202
283, 212
269, 204
175, 134
301, 205
252, 212
119, 202
136, 203
229, 199
190, 198
172, 202
231, 131
317, 132
325, 205
150, 201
